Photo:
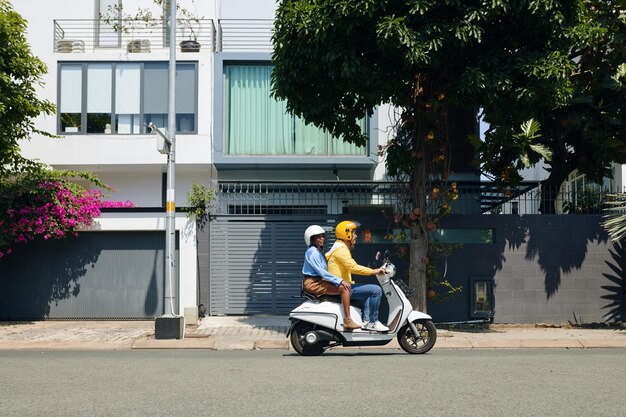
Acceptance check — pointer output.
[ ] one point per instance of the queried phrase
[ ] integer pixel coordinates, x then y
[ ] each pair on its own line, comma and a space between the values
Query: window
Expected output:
257, 124
122, 98
446, 236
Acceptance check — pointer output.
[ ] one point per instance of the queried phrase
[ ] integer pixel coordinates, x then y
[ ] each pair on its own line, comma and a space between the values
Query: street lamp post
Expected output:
170, 326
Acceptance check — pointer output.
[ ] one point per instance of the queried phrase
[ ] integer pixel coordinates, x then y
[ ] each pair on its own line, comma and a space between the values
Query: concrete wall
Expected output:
544, 268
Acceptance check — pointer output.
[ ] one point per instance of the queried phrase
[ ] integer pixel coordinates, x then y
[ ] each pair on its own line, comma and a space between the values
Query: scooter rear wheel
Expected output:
300, 345
421, 343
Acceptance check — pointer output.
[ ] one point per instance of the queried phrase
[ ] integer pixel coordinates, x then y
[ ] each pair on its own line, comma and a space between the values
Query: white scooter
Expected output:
317, 323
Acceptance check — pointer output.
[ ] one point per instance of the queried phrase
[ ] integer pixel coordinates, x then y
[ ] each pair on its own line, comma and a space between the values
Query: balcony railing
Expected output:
251, 35
229, 35
88, 35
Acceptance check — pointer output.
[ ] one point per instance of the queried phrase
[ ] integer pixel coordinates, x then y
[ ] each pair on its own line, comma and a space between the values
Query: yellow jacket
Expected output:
341, 264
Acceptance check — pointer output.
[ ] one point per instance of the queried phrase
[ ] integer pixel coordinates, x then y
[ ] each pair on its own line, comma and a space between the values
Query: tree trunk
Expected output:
551, 186
419, 244
417, 269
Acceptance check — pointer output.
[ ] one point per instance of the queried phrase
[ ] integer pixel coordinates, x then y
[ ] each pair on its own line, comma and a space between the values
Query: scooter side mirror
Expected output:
377, 257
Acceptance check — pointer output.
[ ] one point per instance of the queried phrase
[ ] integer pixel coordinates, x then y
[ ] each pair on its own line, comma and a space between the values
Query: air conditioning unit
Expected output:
138, 45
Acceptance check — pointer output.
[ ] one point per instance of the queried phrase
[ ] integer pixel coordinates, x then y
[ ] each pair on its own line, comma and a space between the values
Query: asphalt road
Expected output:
525, 382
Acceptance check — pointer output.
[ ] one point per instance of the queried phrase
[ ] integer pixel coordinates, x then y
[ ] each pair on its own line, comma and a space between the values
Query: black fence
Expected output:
335, 197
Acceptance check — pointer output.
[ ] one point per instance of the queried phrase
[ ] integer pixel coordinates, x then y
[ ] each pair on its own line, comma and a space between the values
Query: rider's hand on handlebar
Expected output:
380, 271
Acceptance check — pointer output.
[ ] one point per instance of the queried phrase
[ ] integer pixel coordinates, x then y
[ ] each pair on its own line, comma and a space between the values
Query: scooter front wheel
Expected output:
420, 343
299, 344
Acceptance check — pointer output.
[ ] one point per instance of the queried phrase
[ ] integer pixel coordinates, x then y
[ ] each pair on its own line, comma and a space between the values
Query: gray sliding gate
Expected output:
256, 263
97, 275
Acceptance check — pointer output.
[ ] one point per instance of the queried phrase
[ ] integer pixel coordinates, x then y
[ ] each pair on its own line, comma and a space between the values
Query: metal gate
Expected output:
97, 275
256, 262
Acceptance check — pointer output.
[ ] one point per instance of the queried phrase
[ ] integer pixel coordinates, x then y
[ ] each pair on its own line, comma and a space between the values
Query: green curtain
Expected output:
344, 148
257, 124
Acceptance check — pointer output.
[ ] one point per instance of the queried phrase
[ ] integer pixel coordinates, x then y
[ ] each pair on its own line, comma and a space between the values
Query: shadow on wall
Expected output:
530, 259
616, 290
560, 250
40, 274
99, 275
554, 244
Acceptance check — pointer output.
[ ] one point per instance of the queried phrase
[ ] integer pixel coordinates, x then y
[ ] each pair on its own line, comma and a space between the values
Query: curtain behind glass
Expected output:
310, 140
344, 148
256, 124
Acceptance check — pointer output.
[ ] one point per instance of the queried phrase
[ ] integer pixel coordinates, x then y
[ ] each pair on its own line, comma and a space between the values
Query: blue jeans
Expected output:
371, 294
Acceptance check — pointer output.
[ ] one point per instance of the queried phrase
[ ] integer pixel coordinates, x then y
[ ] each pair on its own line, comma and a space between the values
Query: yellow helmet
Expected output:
345, 230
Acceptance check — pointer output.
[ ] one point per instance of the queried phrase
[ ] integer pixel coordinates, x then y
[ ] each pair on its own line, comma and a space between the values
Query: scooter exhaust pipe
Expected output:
316, 336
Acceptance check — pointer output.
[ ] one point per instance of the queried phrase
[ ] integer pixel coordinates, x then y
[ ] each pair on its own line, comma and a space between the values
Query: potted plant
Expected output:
122, 22
191, 27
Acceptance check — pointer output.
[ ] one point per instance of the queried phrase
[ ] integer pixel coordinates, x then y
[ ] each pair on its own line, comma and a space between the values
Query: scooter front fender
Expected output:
417, 315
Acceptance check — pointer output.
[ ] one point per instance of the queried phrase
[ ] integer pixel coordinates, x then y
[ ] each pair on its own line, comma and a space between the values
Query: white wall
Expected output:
130, 163
246, 9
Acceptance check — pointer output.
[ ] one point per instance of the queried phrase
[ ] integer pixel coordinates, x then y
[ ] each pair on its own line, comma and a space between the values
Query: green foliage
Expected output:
589, 201
335, 60
585, 129
199, 199
437, 280
615, 218
20, 74
123, 22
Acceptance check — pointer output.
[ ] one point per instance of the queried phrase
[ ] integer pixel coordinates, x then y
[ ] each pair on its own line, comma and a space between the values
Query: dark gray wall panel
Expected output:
544, 268
94, 275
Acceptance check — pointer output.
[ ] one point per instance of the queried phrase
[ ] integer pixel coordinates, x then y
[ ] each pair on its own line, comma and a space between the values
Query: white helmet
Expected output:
311, 231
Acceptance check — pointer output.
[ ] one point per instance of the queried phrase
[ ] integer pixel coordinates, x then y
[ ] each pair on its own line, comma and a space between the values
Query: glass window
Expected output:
120, 98
99, 85
451, 236
70, 97
155, 87
127, 98
257, 124
185, 97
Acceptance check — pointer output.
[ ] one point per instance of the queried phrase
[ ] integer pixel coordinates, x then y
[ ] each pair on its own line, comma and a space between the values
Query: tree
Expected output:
588, 131
34, 200
20, 74
335, 60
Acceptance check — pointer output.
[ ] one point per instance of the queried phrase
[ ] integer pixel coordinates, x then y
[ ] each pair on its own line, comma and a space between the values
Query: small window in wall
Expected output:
481, 303
452, 236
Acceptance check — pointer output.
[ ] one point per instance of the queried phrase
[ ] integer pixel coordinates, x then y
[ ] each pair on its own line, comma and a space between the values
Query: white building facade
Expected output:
108, 79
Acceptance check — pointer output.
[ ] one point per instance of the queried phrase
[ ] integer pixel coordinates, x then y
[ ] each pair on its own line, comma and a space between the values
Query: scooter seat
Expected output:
334, 299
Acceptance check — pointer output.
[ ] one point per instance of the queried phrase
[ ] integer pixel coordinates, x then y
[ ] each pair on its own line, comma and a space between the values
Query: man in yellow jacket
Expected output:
341, 264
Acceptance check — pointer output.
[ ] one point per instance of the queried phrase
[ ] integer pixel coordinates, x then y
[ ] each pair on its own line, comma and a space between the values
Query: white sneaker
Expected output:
365, 324
377, 326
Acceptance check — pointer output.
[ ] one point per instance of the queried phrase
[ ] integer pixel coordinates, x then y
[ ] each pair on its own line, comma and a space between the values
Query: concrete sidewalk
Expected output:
268, 332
